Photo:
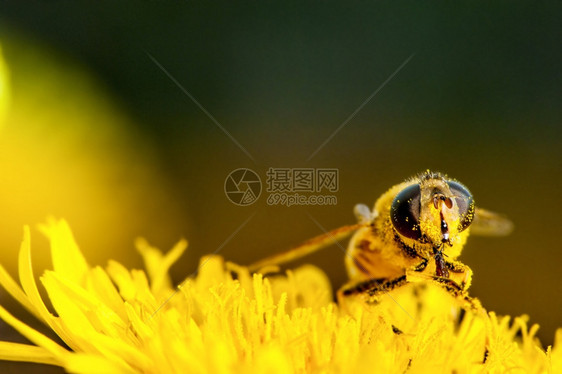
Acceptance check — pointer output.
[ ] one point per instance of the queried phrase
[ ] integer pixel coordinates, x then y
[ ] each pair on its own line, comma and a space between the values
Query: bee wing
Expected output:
487, 223
306, 248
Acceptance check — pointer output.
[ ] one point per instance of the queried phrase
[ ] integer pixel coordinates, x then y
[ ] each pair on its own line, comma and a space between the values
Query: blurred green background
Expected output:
480, 100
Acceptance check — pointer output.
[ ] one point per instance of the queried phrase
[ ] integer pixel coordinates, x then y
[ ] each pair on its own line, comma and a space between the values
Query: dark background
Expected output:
480, 101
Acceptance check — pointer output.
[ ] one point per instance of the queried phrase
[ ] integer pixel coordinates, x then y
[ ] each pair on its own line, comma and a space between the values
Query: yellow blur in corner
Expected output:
65, 149
4, 88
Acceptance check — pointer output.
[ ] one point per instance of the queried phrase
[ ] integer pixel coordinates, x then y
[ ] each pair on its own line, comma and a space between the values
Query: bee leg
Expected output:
454, 274
450, 285
455, 266
460, 293
372, 287
459, 287
441, 268
461, 273
456, 283
421, 266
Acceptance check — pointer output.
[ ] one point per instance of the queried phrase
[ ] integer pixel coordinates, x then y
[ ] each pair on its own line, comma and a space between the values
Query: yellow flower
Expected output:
225, 320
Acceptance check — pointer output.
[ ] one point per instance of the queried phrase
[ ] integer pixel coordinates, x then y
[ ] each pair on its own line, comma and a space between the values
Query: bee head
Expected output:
432, 208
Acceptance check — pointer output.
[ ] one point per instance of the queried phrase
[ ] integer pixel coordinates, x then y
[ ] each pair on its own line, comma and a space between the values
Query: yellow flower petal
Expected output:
34, 336
268, 356
26, 353
122, 278
92, 364
158, 265
99, 284
16, 292
28, 281
66, 256
97, 312
29, 285
139, 327
76, 311
555, 353
133, 285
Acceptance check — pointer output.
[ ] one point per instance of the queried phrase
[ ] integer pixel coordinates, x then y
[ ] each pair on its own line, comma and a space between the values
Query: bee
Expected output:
416, 231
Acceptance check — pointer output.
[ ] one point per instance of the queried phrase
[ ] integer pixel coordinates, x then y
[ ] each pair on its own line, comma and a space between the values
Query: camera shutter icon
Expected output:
242, 187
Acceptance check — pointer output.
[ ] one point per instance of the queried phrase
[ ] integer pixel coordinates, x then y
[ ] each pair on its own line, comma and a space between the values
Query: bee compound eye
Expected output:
465, 203
405, 212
